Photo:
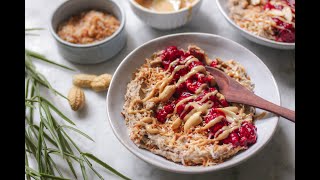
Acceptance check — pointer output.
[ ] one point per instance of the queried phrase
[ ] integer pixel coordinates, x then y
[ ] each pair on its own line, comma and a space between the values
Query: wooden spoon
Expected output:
235, 92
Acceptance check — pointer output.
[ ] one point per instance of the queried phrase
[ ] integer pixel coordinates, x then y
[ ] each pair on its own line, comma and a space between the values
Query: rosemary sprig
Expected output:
49, 137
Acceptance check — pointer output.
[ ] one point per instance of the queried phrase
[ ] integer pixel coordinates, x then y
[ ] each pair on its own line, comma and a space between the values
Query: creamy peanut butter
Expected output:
165, 5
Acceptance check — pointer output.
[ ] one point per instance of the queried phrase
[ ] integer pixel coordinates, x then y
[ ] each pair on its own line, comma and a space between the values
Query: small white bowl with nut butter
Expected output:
165, 14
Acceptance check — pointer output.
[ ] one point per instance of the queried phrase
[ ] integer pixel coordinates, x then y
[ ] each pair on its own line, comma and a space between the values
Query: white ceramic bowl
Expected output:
95, 52
223, 7
215, 46
165, 20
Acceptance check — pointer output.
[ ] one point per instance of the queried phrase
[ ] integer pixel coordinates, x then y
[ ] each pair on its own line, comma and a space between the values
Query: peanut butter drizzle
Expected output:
193, 118
146, 123
193, 71
212, 123
226, 132
230, 116
202, 87
163, 84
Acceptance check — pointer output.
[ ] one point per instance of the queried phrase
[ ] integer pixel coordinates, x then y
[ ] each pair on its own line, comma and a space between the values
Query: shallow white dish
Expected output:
223, 7
165, 20
215, 46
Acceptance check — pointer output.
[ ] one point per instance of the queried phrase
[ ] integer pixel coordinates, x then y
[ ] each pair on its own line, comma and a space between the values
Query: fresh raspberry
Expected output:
214, 63
180, 90
201, 78
213, 113
171, 53
233, 138
247, 134
182, 115
184, 95
268, 6
161, 115
192, 86
224, 103
180, 108
285, 35
218, 126
211, 89
169, 108
180, 73
194, 64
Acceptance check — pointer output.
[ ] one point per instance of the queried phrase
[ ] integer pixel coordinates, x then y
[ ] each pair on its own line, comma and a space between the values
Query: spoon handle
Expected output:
261, 103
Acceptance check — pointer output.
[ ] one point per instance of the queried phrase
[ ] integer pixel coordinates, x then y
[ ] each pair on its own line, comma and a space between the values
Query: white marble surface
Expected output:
275, 161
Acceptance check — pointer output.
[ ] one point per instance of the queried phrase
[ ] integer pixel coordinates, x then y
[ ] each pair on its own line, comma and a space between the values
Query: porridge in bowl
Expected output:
173, 108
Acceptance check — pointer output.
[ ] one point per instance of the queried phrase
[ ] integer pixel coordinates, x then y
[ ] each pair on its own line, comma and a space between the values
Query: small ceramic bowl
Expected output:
95, 52
165, 20
223, 7
214, 46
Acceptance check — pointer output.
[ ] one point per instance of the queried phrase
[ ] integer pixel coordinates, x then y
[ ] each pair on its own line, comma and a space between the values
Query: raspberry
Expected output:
268, 6
247, 134
213, 113
201, 78
224, 103
180, 108
211, 89
161, 115
284, 35
214, 63
183, 57
218, 126
233, 138
193, 85
171, 53
180, 73
169, 108
182, 115
181, 90
193, 64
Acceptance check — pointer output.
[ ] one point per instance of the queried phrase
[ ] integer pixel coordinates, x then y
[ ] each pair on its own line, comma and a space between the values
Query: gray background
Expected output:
275, 161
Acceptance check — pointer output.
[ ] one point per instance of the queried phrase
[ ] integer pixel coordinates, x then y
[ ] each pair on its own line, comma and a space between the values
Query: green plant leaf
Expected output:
52, 177
43, 58
39, 153
27, 164
53, 134
71, 168
76, 130
34, 29
46, 136
91, 156
57, 111
55, 166
83, 171
57, 152
90, 166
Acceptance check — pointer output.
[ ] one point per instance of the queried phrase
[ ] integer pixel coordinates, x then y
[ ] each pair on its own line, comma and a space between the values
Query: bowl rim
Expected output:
205, 169
105, 40
249, 33
137, 5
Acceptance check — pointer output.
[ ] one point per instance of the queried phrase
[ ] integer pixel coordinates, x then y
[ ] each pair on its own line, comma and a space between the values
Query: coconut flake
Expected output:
255, 2
287, 13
